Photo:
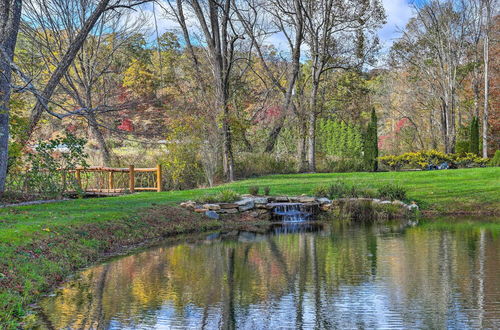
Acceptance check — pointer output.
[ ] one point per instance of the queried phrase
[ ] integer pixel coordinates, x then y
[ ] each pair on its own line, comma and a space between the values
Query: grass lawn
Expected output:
40, 244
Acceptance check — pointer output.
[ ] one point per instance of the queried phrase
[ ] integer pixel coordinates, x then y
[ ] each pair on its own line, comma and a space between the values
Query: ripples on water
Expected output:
295, 276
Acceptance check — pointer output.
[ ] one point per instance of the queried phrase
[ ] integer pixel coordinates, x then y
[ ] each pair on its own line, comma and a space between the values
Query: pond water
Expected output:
297, 276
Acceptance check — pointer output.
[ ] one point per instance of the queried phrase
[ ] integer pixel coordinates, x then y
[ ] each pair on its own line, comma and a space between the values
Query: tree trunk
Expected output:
63, 66
311, 136
103, 146
486, 80
301, 146
10, 16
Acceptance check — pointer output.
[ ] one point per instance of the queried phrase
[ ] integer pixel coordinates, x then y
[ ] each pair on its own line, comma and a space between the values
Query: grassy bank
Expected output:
41, 244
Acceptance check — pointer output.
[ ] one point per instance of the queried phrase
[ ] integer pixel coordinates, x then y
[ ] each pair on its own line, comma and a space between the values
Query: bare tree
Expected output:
434, 44
220, 34
10, 15
92, 80
261, 19
337, 34
489, 5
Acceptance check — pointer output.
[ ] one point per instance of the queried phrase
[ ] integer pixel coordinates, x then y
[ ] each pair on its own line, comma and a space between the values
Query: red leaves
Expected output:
126, 125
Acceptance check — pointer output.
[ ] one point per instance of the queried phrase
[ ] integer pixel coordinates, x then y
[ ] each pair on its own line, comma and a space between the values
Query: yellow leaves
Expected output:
139, 79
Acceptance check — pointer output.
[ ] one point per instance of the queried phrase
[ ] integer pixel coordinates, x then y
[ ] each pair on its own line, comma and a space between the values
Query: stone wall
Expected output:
260, 207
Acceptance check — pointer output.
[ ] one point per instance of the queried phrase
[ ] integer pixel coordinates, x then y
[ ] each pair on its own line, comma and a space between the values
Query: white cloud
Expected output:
398, 14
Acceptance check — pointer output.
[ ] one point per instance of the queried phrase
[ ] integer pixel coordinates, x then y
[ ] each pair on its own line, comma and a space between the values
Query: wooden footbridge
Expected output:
97, 180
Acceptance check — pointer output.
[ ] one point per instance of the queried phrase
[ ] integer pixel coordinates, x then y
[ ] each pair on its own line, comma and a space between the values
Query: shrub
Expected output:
50, 166
253, 190
257, 164
341, 165
424, 159
222, 196
392, 192
467, 160
340, 189
495, 161
267, 190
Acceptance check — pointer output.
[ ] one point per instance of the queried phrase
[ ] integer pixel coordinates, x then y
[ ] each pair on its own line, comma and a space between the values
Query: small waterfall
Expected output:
292, 212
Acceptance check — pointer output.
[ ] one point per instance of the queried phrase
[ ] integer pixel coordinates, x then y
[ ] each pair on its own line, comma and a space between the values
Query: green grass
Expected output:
41, 243
452, 191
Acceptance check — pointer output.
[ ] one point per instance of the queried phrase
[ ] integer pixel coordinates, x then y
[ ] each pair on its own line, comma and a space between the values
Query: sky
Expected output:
398, 13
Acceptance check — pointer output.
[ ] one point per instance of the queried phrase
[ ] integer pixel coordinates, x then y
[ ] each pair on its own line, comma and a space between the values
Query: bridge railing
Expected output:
97, 179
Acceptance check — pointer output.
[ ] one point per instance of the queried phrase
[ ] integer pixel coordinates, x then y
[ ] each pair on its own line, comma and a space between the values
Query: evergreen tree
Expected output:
371, 144
474, 136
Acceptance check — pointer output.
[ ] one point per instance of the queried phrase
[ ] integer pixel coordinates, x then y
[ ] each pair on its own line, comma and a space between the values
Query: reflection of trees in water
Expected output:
225, 283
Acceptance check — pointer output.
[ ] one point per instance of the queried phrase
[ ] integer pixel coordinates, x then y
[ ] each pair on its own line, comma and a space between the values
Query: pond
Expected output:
297, 276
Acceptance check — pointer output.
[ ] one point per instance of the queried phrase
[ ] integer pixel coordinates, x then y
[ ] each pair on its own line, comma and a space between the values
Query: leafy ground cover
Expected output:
41, 244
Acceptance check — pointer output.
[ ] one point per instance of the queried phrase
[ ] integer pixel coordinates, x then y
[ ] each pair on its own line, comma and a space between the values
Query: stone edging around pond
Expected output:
260, 207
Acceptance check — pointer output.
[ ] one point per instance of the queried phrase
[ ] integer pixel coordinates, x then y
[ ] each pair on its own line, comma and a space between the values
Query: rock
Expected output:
265, 216
228, 205
281, 199
269, 206
213, 207
201, 210
398, 203
385, 202
325, 207
212, 215
246, 207
306, 199
188, 205
293, 199
324, 200
245, 204
261, 206
228, 211
247, 196
412, 207
260, 200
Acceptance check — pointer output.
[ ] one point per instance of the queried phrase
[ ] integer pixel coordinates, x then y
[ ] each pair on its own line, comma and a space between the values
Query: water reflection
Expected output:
334, 277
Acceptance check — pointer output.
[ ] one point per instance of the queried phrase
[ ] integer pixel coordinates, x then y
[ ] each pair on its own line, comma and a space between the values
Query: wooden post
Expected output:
131, 174
158, 178
110, 181
78, 178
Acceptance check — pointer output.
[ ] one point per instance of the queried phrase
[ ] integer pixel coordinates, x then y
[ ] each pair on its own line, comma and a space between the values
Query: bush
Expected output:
341, 165
50, 167
340, 189
425, 159
253, 190
257, 164
222, 196
392, 192
495, 161
267, 190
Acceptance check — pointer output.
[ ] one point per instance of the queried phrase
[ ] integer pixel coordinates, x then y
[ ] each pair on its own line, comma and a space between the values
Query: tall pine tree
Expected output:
371, 144
474, 136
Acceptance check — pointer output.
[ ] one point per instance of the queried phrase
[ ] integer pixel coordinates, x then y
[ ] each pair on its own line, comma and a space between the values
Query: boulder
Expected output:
323, 200
212, 207
228, 205
306, 199
228, 211
188, 205
201, 210
281, 199
260, 200
245, 204
325, 207
212, 215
